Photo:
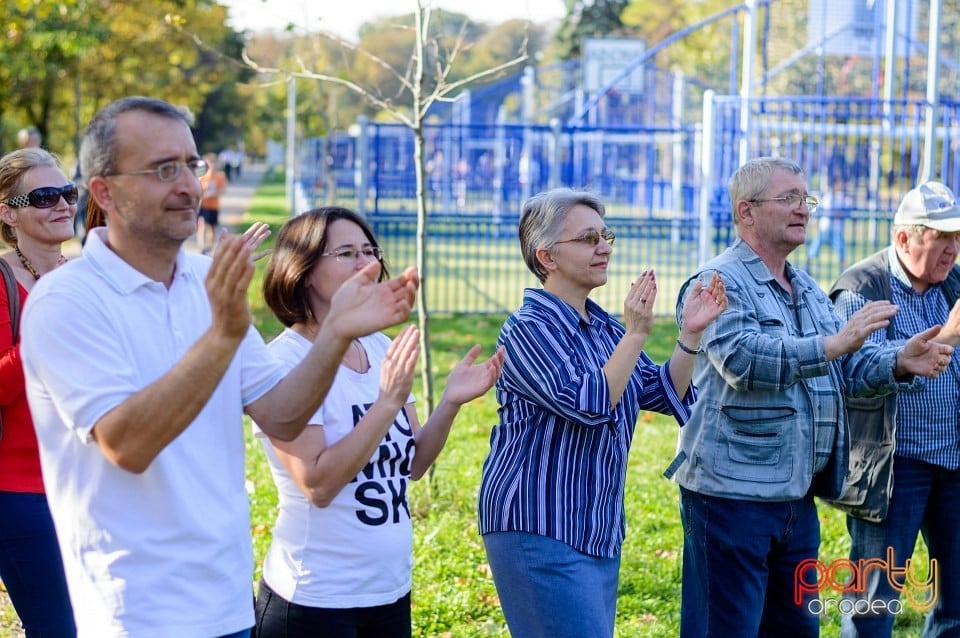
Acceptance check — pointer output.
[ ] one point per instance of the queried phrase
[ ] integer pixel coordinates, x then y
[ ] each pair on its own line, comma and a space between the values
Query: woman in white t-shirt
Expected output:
340, 561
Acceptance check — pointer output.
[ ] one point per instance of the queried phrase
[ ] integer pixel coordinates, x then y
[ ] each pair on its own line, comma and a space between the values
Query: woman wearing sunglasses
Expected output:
574, 381
37, 205
340, 560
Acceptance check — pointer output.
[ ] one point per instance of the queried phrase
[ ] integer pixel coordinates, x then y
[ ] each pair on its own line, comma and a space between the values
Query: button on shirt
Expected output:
558, 458
927, 428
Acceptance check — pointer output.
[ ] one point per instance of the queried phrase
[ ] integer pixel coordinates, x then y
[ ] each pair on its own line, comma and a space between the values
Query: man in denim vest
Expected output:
768, 431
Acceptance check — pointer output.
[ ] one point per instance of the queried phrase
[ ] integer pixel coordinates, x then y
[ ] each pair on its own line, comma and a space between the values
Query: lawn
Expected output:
453, 591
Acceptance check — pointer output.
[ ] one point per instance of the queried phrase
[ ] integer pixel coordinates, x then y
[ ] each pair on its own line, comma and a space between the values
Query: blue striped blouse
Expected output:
558, 457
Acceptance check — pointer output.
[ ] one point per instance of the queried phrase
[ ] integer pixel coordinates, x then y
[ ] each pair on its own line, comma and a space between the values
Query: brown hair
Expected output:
300, 243
13, 166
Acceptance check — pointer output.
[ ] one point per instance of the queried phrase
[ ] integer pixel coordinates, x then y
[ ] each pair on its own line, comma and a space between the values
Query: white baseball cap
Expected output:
930, 204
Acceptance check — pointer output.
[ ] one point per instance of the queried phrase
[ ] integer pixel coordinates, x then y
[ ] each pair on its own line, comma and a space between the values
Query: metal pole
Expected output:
706, 177
933, 94
362, 170
676, 163
746, 79
291, 142
889, 55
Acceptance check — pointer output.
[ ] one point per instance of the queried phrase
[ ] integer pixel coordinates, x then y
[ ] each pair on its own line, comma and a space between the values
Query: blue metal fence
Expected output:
664, 186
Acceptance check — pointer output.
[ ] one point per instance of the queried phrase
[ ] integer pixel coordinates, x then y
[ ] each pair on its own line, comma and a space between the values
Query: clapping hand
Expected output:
703, 304
873, 316
227, 282
256, 235
399, 365
923, 356
467, 381
362, 306
253, 237
638, 306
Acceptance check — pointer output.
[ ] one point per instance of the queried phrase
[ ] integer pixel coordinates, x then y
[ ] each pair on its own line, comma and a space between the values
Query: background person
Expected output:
574, 381
834, 209
340, 560
29, 137
769, 430
214, 184
37, 205
140, 361
905, 449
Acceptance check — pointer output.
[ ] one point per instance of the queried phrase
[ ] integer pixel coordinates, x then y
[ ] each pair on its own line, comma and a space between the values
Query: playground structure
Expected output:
659, 146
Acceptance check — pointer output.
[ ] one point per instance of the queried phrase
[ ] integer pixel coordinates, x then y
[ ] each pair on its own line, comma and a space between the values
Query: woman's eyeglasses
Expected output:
592, 238
352, 254
45, 197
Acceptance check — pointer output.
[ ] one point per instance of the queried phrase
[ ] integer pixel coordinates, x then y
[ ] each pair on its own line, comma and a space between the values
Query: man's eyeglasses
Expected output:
792, 200
169, 171
352, 254
592, 238
46, 197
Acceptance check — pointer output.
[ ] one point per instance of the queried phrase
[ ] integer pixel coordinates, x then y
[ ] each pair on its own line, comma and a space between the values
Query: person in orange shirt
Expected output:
214, 184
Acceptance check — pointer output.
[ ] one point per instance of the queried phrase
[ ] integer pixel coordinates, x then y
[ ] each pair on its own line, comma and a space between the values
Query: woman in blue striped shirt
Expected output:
574, 381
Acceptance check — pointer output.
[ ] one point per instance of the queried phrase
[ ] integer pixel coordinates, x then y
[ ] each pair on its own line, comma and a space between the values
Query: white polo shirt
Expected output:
166, 552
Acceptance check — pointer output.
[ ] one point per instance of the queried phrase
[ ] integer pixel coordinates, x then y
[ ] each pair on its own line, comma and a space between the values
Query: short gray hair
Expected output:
98, 150
750, 180
542, 217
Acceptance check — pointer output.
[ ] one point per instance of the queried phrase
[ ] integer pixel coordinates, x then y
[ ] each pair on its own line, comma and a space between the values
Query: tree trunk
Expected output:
423, 314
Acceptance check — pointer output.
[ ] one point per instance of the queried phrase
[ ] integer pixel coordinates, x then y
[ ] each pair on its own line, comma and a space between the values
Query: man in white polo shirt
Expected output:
140, 361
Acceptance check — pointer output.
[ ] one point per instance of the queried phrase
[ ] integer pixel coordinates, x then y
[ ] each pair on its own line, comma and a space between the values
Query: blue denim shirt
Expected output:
767, 393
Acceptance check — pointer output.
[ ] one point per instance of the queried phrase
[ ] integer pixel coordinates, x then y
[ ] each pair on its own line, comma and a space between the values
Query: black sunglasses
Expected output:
46, 197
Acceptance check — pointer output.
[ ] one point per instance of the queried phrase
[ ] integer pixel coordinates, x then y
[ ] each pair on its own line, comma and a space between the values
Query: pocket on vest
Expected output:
751, 445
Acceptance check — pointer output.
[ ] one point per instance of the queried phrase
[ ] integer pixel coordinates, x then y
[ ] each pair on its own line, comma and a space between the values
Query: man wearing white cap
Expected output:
904, 472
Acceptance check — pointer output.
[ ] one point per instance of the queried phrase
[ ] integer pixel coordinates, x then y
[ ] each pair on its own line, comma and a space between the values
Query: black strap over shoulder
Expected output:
13, 298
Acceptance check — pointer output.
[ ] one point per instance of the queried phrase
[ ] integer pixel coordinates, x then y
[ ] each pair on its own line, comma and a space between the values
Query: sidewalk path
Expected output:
235, 203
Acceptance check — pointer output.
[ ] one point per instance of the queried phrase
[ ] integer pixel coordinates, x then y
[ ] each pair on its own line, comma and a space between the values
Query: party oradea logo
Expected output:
830, 581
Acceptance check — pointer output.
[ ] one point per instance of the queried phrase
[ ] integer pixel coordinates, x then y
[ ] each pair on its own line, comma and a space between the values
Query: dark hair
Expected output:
299, 245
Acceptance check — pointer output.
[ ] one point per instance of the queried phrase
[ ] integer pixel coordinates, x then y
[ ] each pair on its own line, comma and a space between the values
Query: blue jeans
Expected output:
31, 567
739, 565
925, 499
548, 589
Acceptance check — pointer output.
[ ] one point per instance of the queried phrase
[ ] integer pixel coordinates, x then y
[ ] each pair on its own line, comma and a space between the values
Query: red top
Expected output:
19, 454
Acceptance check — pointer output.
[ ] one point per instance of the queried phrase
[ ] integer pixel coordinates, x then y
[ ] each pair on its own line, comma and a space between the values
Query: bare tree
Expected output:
413, 82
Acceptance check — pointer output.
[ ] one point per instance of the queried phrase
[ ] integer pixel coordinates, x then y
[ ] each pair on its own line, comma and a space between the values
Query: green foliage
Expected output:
61, 60
588, 19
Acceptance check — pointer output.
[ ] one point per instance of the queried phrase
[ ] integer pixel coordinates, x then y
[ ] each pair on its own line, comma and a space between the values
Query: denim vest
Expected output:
873, 421
758, 444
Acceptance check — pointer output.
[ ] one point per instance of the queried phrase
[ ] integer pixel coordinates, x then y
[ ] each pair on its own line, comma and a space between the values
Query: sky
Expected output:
344, 17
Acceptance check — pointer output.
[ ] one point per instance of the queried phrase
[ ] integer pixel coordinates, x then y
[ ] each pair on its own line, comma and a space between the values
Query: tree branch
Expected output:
323, 77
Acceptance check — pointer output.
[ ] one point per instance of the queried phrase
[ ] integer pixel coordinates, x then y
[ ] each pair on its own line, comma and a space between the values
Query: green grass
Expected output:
453, 591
